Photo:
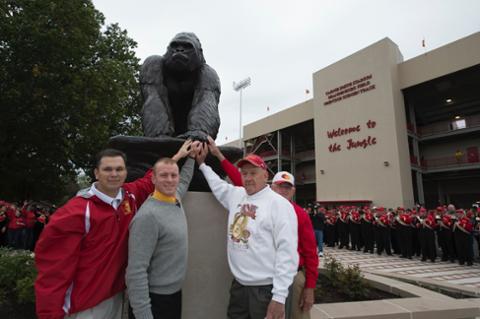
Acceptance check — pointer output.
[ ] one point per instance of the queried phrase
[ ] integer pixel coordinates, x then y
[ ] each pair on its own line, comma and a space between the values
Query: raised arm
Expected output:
220, 188
189, 149
231, 171
185, 177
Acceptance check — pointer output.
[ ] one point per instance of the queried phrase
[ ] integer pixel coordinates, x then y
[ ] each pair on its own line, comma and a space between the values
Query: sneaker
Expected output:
320, 254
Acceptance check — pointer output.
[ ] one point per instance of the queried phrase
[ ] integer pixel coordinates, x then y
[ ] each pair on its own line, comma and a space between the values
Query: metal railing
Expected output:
448, 162
443, 127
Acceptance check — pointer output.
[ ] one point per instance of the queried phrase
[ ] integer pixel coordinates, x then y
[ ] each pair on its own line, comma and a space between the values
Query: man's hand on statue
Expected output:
194, 149
183, 151
275, 310
202, 153
307, 299
214, 150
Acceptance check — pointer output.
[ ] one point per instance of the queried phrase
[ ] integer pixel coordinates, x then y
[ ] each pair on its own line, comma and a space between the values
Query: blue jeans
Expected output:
319, 238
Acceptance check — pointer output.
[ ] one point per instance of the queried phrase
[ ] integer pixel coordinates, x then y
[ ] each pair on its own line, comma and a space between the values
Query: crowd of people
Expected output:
22, 223
399, 231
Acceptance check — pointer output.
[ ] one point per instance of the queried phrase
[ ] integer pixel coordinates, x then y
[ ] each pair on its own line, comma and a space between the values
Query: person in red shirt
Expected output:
367, 229
355, 228
382, 231
3, 224
463, 232
43, 215
427, 229
30, 219
15, 227
302, 297
81, 255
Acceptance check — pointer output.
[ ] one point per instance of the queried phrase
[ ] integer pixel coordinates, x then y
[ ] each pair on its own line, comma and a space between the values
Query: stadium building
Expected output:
383, 131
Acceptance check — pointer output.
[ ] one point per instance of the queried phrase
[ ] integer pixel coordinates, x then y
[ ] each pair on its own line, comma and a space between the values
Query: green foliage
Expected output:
334, 272
83, 181
67, 84
17, 276
348, 281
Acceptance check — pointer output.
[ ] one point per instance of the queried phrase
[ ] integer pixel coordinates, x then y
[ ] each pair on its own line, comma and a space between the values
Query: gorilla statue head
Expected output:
184, 53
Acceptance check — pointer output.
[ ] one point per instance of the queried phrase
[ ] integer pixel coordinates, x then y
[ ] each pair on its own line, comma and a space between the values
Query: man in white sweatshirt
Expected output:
262, 240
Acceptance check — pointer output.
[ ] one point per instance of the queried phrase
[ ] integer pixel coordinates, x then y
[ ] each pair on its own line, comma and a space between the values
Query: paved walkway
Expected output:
450, 273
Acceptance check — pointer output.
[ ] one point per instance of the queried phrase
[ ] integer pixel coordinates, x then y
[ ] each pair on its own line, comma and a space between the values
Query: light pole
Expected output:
239, 87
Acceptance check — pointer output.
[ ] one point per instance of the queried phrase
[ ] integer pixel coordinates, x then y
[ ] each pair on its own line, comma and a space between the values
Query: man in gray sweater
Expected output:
158, 243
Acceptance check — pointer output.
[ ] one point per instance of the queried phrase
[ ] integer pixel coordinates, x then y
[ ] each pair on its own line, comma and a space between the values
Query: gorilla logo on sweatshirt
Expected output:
238, 229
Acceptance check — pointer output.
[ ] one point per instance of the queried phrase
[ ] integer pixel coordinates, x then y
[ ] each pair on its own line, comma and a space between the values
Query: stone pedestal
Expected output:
206, 287
142, 152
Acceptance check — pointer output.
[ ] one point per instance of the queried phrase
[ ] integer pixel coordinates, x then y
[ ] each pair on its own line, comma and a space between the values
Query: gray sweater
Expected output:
157, 248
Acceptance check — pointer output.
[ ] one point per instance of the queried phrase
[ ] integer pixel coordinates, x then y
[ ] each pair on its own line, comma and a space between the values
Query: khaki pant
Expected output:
297, 288
107, 309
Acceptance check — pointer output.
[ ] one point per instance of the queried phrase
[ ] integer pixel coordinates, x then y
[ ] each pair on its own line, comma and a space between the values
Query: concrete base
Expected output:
417, 303
206, 288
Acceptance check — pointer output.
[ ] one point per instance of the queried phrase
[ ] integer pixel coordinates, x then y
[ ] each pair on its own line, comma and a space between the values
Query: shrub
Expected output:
17, 276
334, 270
348, 281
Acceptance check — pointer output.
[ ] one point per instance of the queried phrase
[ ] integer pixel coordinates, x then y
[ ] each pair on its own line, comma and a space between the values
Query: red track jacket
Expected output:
81, 256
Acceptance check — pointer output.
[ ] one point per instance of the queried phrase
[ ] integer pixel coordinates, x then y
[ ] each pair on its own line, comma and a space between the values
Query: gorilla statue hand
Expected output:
195, 135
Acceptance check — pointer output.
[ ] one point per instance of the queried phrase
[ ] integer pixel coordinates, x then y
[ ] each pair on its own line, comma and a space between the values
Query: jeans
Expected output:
319, 238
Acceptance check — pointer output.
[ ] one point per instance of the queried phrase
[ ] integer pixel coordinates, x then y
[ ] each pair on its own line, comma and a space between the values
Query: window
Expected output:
458, 124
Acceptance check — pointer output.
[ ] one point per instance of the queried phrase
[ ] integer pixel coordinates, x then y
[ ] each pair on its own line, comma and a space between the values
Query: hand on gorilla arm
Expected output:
214, 150
183, 151
202, 153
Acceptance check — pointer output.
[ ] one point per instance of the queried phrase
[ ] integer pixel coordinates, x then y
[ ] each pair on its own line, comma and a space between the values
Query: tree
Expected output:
67, 84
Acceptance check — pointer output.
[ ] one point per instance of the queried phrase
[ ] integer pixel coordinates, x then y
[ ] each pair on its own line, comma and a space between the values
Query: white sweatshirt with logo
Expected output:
262, 235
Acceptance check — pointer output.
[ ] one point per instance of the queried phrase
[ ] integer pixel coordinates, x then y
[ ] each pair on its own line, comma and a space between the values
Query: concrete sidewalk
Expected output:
463, 278
405, 278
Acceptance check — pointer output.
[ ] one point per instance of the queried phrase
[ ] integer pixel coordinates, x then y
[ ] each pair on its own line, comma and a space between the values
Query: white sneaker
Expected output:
320, 254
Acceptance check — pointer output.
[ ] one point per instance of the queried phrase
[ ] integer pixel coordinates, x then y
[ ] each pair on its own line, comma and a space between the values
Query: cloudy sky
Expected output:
280, 44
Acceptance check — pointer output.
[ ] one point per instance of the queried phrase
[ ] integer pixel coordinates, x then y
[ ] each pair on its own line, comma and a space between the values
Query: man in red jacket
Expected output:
81, 255
304, 283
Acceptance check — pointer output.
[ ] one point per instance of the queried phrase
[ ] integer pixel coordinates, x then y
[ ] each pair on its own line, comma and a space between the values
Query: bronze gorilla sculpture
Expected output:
180, 91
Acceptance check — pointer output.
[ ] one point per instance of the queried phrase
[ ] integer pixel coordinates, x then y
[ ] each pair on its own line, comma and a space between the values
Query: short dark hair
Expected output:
109, 152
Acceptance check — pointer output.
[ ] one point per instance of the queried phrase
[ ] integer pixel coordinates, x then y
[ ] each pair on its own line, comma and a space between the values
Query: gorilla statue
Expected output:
180, 92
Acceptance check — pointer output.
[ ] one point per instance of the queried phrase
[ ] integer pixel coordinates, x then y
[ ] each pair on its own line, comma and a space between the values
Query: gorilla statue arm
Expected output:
157, 117
203, 119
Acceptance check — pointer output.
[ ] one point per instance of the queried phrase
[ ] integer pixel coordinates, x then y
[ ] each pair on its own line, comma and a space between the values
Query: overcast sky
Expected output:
280, 44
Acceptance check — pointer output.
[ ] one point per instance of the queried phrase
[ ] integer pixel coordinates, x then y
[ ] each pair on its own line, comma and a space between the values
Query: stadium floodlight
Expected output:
240, 86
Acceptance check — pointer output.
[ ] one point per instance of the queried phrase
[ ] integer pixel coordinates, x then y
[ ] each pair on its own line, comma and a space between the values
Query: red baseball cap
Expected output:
253, 159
